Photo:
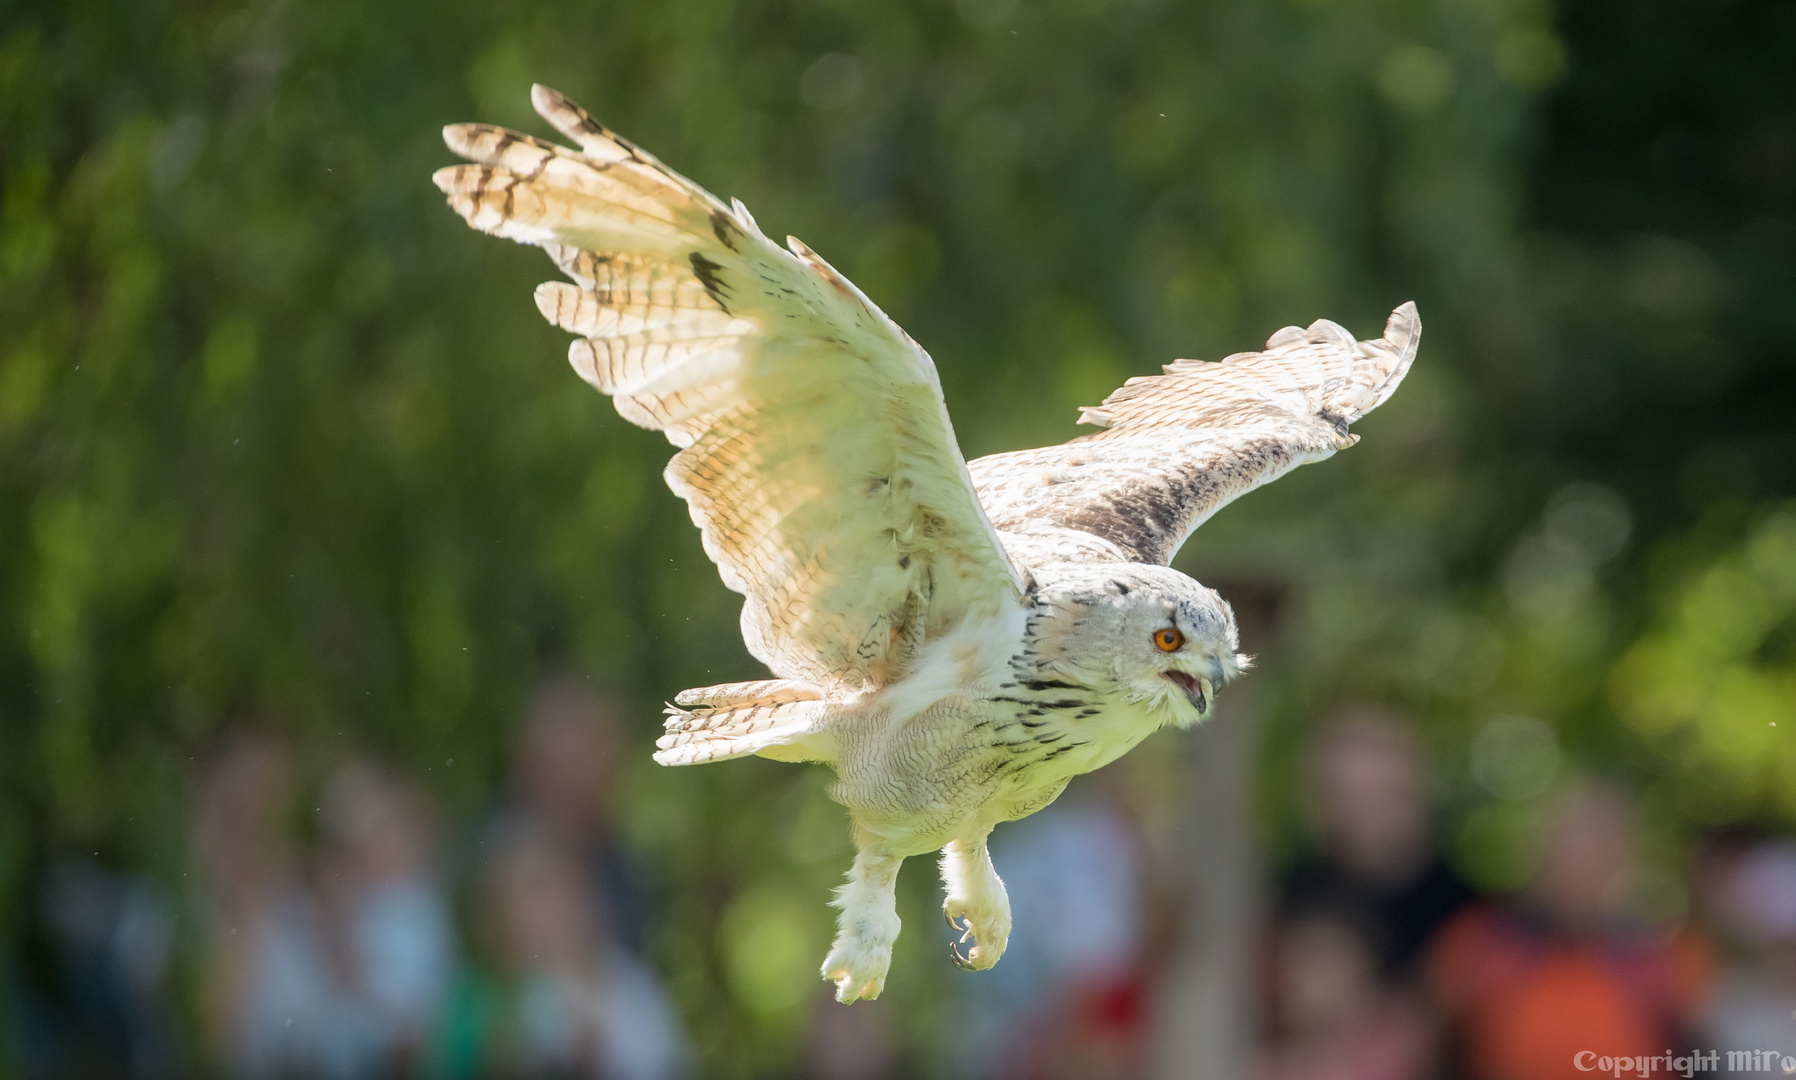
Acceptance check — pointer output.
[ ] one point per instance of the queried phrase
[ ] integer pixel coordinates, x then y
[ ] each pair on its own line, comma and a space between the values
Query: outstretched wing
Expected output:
1178, 447
816, 453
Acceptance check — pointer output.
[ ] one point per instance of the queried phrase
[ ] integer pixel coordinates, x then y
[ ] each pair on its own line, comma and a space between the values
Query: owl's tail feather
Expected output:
775, 718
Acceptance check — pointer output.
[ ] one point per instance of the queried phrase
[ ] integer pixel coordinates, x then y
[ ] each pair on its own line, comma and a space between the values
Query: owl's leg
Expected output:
868, 926
976, 905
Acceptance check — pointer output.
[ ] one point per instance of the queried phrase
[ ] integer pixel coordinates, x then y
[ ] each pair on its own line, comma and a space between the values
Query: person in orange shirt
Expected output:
1530, 984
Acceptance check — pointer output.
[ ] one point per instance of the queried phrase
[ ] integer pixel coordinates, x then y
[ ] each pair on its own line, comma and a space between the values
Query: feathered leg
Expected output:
868, 926
976, 905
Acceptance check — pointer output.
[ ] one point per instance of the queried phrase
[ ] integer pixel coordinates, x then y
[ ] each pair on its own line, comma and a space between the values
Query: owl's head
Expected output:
1161, 639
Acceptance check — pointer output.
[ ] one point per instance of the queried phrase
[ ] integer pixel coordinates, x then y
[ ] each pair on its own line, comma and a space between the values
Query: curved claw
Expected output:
949, 919
960, 960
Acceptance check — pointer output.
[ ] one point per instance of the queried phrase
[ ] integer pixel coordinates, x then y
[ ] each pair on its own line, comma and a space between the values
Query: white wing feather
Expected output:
817, 456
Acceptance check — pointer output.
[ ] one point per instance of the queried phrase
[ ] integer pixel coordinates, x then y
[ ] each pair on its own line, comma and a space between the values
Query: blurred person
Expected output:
1754, 1004
275, 1005
1068, 999
99, 1002
561, 998
1564, 968
561, 916
561, 783
386, 914
1378, 850
1336, 1014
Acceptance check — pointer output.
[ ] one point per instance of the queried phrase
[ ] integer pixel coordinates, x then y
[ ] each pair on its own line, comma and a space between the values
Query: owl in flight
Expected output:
956, 639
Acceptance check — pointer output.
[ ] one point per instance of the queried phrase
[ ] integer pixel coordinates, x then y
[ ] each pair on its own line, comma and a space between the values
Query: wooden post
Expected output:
1205, 1019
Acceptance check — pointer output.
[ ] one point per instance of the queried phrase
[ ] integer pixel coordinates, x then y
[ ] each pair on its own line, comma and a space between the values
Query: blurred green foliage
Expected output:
282, 443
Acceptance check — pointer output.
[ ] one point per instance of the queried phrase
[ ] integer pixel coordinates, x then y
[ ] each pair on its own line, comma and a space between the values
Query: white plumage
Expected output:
957, 642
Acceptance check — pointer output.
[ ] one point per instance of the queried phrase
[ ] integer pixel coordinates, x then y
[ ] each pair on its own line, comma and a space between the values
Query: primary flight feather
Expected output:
957, 640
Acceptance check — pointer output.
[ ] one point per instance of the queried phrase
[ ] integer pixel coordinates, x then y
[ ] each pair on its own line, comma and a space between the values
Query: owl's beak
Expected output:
1193, 687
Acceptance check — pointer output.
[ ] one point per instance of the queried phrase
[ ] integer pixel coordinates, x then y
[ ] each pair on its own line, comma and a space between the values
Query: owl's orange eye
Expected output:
1169, 639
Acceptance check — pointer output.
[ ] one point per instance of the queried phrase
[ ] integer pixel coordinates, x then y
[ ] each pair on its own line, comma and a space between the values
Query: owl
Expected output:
955, 639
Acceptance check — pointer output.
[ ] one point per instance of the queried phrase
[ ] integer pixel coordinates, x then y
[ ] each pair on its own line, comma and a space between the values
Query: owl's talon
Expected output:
982, 933
960, 961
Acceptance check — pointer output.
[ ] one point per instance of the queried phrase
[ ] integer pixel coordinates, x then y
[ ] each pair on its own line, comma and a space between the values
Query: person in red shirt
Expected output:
1530, 984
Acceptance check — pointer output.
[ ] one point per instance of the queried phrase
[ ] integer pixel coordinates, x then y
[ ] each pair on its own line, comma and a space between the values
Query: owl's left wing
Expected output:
816, 453
1178, 447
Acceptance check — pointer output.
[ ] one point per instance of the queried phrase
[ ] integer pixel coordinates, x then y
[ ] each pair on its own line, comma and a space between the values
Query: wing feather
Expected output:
817, 457
1177, 447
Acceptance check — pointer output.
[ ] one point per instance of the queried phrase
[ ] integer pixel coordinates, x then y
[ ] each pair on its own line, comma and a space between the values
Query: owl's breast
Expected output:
1044, 732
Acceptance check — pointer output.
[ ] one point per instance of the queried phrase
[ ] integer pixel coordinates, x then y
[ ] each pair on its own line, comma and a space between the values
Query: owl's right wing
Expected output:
816, 453
1178, 447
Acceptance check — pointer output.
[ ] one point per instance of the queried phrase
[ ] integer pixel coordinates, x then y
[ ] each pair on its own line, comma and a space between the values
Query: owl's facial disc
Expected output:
1164, 642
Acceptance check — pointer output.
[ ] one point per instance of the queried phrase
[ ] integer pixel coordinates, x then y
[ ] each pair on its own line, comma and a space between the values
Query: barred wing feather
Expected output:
1179, 446
816, 456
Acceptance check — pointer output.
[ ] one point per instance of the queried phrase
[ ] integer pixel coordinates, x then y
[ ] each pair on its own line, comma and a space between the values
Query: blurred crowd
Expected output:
346, 958
381, 947
348, 963
1380, 962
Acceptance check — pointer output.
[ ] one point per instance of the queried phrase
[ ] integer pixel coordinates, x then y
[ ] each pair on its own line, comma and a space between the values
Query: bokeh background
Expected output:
303, 519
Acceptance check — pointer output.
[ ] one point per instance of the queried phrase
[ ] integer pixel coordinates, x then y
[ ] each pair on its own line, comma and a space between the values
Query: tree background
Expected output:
283, 443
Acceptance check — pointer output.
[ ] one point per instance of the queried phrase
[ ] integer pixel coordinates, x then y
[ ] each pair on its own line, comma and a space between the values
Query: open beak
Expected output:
1193, 687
